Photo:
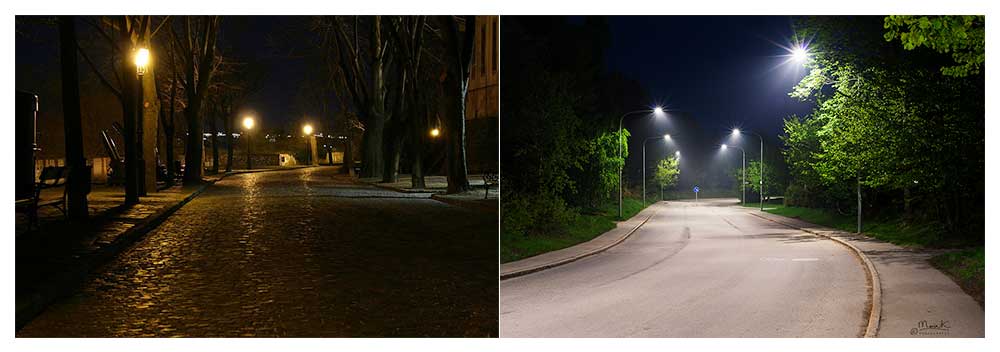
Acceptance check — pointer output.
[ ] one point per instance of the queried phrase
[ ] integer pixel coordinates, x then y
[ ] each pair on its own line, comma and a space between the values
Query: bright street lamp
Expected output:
657, 111
141, 61
666, 137
744, 178
435, 132
736, 132
307, 130
248, 123
799, 54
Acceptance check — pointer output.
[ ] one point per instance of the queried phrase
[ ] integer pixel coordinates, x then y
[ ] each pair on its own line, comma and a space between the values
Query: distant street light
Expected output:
666, 137
435, 132
736, 133
744, 169
657, 111
307, 130
141, 61
248, 123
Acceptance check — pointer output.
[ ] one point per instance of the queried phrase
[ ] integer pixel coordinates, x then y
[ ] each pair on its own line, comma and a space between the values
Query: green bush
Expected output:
534, 214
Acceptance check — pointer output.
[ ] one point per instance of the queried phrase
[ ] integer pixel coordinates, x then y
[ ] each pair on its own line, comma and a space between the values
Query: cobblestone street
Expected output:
303, 253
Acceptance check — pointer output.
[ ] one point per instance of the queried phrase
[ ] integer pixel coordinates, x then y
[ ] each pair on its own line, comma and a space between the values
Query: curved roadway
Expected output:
707, 269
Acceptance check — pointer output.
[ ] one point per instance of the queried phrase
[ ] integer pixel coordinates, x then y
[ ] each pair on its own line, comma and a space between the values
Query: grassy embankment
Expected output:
966, 266
581, 229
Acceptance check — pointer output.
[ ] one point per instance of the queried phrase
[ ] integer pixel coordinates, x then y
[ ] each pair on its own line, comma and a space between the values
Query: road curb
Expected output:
556, 263
875, 313
67, 283
471, 205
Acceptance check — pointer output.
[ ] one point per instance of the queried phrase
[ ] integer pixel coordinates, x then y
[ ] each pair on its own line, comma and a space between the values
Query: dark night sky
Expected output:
724, 70
257, 39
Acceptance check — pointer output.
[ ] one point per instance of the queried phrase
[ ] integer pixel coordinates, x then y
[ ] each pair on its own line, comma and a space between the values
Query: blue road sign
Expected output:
695, 189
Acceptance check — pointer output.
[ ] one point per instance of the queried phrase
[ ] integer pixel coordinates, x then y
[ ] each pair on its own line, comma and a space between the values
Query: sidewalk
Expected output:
917, 300
609, 239
53, 260
476, 199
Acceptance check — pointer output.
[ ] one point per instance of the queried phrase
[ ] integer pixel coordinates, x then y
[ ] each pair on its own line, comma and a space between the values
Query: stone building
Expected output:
482, 109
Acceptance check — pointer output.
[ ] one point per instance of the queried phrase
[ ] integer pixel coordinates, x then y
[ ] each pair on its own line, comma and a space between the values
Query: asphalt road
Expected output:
703, 269
295, 253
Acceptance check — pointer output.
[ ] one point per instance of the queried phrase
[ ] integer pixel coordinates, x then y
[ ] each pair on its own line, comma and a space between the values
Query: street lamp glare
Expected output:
677, 153
658, 110
724, 147
307, 129
141, 60
799, 54
435, 132
736, 131
666, 137
248, 122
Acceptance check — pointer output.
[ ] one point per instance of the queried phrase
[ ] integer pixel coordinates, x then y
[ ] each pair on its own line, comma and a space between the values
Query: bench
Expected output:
489, 179
51, 177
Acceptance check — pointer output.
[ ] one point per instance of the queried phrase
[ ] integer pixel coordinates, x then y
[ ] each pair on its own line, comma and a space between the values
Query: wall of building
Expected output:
482, 102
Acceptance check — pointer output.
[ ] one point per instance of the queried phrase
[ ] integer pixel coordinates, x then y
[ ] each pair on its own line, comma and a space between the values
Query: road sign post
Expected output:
696, 189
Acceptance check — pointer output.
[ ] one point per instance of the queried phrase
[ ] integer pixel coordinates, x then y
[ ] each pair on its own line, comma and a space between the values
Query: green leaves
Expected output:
964, 37
667, 171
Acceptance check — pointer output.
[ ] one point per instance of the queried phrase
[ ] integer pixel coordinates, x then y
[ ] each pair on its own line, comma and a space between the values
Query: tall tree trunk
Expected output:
349, 154
213, 125
129, 111
371, 165
149, 104
193, 147
166, 120
77, 187
456, 85
417, 134
228, 125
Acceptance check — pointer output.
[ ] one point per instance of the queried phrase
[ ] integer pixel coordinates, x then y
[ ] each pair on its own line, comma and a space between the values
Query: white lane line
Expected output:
805, 259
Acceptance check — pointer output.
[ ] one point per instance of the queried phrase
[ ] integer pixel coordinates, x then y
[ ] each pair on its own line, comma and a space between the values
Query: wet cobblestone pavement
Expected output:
295, 253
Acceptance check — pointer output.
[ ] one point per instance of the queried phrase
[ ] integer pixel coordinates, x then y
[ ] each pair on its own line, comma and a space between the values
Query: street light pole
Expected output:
666, 137
736, 131
141, 62
743, 180
656, 111
307, 130
247, 126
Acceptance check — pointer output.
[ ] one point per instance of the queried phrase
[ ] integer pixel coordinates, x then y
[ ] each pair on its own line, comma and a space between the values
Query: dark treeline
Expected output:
559, 104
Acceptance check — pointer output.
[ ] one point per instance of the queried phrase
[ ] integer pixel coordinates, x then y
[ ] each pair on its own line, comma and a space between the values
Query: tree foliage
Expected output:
667, 171
889, 119
964, 37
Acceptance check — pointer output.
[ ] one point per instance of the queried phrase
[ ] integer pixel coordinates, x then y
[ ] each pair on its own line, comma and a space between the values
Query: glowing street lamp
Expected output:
800, 54
736, 133
141, 61
307, 130
657, 111
248, 123
666, 138
435, 132
744, 178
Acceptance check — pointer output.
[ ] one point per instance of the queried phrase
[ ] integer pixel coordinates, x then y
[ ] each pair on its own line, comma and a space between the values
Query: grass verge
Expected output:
583, 228
967, 268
